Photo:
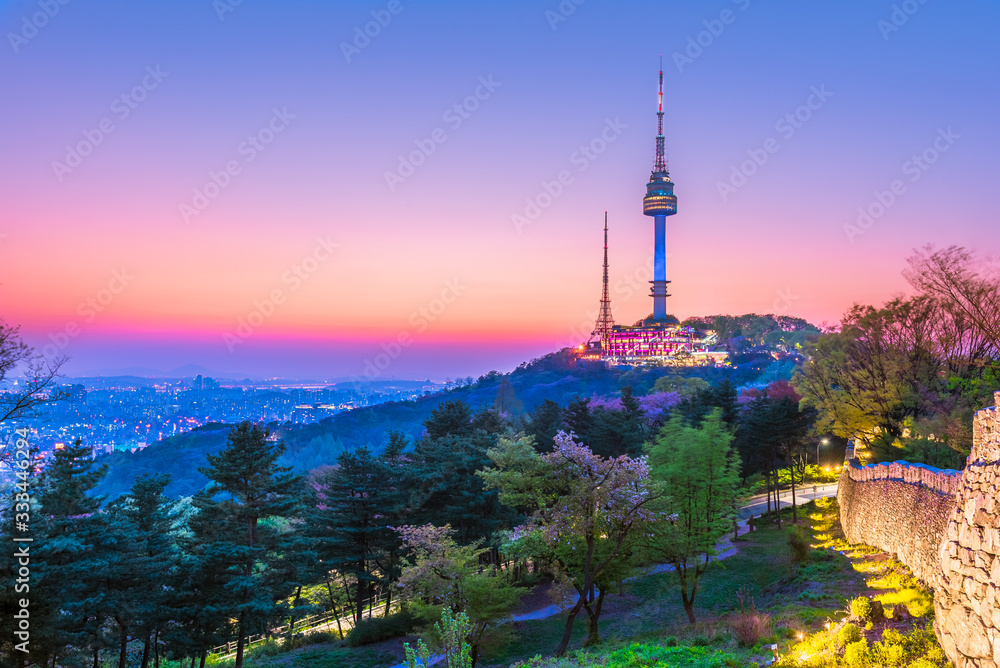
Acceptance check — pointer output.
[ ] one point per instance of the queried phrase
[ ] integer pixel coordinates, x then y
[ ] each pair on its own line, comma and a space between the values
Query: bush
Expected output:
798, 540
750, 626
378, 629
861, 607
857, 655
315, 638
847, 634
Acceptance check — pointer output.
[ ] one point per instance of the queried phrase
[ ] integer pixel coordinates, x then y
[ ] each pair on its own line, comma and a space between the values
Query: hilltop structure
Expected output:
659, 339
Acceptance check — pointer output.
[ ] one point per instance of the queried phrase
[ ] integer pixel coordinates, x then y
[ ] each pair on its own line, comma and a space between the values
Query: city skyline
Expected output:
271, 191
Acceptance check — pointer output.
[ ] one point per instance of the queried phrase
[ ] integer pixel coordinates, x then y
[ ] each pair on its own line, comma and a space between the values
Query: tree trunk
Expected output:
122, 656
96, 654
333, 606
687, 600
204, 654
291, 624
156, 648
767, 485
350, 601
145, 651
388, 602
688, 608
791, 471
593, 616
568, 631
239, 644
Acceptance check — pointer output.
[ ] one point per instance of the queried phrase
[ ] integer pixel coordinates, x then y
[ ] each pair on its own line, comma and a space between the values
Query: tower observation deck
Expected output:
659, 202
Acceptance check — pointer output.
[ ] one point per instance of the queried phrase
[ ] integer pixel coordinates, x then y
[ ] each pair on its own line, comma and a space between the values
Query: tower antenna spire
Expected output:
605, 322
660, 164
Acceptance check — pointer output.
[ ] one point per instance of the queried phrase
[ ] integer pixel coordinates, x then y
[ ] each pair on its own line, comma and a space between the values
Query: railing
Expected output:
374, 607
941, 480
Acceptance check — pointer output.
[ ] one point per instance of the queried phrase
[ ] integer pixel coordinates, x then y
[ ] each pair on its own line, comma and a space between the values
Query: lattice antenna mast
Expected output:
605, 321
660, 163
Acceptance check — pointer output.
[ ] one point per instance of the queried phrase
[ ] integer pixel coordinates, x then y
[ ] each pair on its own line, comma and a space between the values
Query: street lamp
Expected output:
820, 442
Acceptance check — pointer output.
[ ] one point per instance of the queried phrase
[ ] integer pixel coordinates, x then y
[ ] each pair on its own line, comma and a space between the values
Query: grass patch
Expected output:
854, 639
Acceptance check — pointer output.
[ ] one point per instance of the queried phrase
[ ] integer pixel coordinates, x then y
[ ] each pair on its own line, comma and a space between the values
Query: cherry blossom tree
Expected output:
585, 510
445, 577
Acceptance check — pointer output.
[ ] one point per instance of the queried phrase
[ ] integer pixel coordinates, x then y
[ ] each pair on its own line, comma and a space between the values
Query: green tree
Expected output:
140, 543
256, 491
69, 611
546, 421
357, 503
450, 418
506, 402
698, 474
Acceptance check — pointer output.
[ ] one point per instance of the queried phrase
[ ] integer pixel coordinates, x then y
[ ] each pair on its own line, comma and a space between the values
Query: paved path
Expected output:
724, 548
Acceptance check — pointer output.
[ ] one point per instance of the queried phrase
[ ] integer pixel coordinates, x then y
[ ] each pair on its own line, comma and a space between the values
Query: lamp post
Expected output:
822, 441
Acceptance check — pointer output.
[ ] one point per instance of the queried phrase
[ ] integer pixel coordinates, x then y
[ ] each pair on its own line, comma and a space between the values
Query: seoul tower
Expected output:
659, 202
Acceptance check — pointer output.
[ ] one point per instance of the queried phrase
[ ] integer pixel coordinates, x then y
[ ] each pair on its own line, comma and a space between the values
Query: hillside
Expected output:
557, 376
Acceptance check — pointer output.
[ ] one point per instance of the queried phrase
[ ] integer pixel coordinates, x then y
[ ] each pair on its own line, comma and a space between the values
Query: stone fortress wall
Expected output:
944, 525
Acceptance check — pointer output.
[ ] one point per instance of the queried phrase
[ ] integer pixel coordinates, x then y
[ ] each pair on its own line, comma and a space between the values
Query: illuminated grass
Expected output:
916, 646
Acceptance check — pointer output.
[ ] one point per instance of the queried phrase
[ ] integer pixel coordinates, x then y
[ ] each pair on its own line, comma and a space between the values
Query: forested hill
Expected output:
556, 376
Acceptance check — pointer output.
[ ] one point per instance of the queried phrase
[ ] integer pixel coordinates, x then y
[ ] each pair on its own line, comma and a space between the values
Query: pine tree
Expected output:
69, 559
247, 544
145, 520
356, 504
546, 422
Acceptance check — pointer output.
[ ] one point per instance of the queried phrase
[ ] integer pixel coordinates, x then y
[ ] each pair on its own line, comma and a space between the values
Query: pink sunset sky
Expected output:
242, 204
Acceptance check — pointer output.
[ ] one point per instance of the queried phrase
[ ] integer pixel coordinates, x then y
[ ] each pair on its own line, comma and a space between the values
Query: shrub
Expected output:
861, 607
798, 540
924, 663
315, 638
267, 648
847, 634
378, 629
857, 654
750, 626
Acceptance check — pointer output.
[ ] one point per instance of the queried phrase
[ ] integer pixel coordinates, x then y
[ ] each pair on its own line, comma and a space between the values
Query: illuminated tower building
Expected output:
659, 202
605, 323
